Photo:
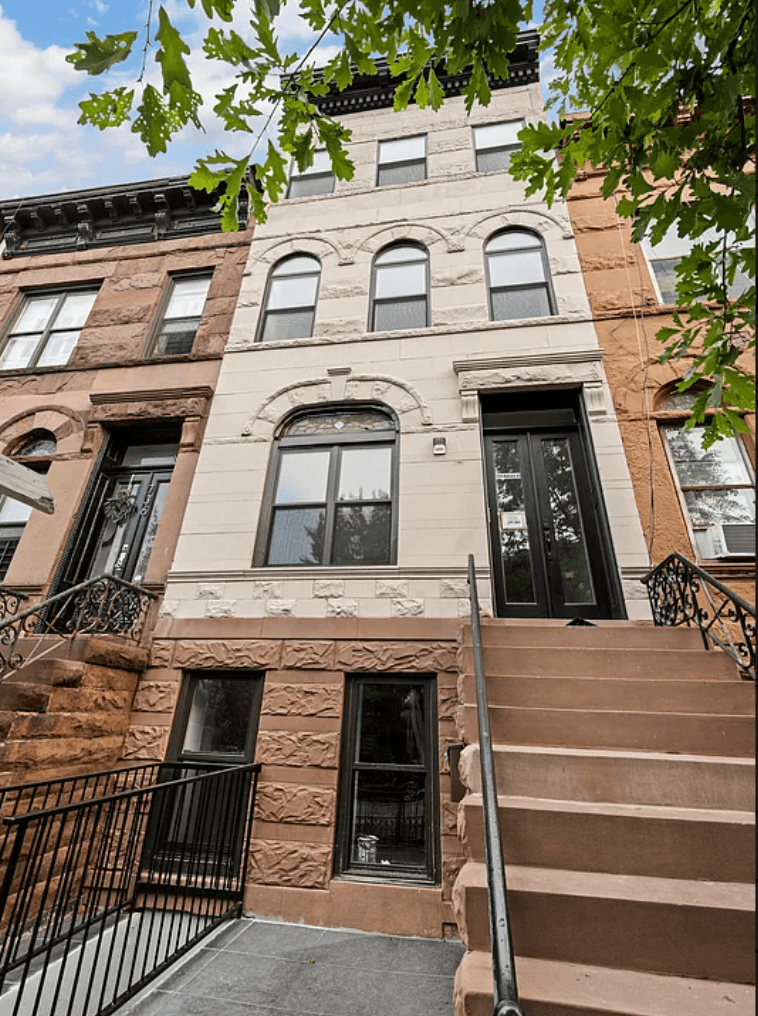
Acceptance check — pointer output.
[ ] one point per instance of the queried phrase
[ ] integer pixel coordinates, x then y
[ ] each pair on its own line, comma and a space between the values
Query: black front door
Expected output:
550, 553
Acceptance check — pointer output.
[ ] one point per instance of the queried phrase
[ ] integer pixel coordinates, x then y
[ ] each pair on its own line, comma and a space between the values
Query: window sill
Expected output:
399, 878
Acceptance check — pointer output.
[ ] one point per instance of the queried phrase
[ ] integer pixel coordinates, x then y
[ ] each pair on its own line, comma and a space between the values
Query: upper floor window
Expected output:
494, 144
518, 277
716, 486
181, 318
401, 161
663, 258
400, 291
35, 451
46, 329
290, 303
318, 178
333, 496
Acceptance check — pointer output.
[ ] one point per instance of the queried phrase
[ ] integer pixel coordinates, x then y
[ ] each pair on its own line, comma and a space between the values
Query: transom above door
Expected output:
550, 546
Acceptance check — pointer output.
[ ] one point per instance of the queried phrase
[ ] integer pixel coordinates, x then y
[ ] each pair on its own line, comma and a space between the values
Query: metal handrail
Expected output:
505, 993
725, 619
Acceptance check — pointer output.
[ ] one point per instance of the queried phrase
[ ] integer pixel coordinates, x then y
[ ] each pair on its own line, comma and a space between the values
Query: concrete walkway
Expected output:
263, 968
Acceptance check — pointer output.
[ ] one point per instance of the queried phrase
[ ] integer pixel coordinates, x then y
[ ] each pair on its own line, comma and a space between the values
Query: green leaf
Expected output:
436, 93
153, 123
223, 171
107, 110
99, 55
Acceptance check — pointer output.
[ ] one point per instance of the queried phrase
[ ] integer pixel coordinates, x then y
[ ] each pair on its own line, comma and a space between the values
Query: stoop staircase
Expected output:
623, 759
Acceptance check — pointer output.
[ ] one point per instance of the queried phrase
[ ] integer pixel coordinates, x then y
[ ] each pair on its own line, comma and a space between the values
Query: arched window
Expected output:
36, 450
290, 304
332, 492
716, 486
518, 276
400, 290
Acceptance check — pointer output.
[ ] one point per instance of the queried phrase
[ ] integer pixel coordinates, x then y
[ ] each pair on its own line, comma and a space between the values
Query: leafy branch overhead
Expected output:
662, 87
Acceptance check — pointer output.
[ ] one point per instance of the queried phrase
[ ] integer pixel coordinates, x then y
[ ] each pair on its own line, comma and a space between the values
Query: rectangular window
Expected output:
494, 144
13, 517
318, 178
664, 257
181, 319
401, 161
47, 329
388, 809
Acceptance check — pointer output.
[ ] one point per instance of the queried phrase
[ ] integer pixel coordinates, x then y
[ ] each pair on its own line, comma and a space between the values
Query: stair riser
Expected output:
730, 736
687, 941
736, 699
603, 636
617, 844
619, 779
650, 664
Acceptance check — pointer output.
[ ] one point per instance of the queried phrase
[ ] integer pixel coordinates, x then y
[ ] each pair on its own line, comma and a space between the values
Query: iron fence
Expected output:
109, 878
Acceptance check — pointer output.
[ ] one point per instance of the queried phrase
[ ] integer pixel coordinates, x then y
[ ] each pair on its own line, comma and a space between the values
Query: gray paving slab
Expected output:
266, 968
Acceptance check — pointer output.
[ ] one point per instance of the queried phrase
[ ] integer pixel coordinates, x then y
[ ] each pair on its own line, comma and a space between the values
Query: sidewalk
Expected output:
263, 968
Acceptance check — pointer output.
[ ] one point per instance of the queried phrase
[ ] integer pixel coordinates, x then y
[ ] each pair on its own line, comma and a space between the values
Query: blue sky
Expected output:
43, 150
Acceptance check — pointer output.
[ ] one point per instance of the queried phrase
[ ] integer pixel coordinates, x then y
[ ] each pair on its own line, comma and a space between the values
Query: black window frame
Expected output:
334, 442
266, 313
160, 318
397, 163
546, 285
344, 867
60, 292
190, 678
321, 176
376, 267
506, 150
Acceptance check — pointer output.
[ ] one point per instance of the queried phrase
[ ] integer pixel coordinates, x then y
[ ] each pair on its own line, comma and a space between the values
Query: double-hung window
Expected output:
401, 161
318, 178
181, 318
494, 144
289, 307
400, 291
36, 452
518, 276
46, 329
333, 495
663, 258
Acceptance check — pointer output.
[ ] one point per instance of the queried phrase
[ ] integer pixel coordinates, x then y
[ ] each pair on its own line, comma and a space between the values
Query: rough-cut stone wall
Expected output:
627, 316
299, 745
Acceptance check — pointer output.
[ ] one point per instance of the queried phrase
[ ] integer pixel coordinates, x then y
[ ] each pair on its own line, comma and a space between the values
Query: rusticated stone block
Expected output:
169, 608
307, 655
407, 608
449, 823
221, 608
281, 608
264, 590
292, 803
451, 866
145, 743
209, 654
452, 589
110, 678
58, 757
447, 702
302, 700
160, 654
286, 748
34, 726
414, 656
328, 587
209, 591
391, 588
342, 608
80, 700
115, 654
298, 865
154, 697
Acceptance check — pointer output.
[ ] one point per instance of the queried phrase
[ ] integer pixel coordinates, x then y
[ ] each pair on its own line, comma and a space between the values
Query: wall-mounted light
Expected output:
439, 445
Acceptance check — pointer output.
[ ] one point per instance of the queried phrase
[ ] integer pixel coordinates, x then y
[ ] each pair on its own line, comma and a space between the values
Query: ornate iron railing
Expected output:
10, 601
104, 605
505, 993
681, 593
107, 879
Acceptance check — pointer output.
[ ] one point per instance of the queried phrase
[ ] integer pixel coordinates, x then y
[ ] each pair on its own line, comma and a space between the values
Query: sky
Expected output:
42, 148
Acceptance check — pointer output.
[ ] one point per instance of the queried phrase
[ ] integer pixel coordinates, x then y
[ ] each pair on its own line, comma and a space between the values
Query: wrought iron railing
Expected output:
681, 593
109, 878
10, 601
100, 606
505, 992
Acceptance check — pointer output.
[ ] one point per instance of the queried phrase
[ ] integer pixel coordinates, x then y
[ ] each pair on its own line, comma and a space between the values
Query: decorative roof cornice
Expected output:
150, 210
377, 91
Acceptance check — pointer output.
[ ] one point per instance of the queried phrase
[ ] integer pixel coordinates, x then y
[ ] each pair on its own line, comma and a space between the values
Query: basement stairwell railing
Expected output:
681, 593
103, 605
503, 967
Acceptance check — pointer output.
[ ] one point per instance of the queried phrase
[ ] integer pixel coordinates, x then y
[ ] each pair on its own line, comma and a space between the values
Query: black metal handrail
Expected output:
681, 593
505, 993
104, 605
106, 883
10, 601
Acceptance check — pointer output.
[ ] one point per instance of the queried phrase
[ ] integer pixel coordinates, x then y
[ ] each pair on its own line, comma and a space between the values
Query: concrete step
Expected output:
656, 925
576, 661
549, 988
623, 777
622, 839
689, 733
607, 634
639, 694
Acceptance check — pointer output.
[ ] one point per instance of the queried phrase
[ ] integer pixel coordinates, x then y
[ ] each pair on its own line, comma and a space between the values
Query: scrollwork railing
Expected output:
10, 601
104, 605
681, 593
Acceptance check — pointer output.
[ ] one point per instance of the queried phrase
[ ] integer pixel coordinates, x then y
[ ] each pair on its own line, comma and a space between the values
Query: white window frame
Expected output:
48, 330
269, 312
315, 172
164, 315
507, 149
389, 163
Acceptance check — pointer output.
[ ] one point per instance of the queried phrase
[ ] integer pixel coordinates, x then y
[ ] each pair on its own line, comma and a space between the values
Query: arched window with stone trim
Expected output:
289, 307
518, 276
400, 288
331, 497
36, 451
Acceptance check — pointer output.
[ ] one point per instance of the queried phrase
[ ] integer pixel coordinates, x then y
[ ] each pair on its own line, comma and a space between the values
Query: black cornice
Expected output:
377, 91
150, 210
